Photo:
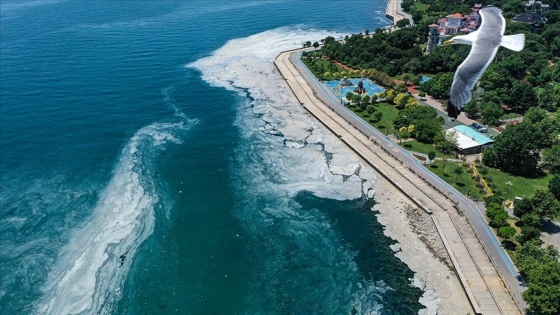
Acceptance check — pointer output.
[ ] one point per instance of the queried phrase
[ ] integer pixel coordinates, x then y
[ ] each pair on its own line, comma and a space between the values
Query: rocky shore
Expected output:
420, 247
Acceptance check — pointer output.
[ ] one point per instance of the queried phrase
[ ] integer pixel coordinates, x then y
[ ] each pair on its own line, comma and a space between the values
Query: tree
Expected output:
554, 186
551, 158
531, 219
523, 207
403, 133
315, 45
357, 98
535, 115
427, 131
366, 99
403, 23
528, 233
370, 109
378, 116
543, 292
401, 87
439, 85
390, 95
401, 100
472, 108
506, 232
491, 114
516, 150
411, 102
350, 96
457, 170
545, 204
431, 155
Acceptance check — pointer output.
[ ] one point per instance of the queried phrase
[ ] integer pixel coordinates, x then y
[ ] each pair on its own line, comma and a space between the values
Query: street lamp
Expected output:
509, 183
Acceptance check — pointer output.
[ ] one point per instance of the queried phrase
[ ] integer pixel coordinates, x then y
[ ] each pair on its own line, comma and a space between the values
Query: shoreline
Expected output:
480, 281
395, 13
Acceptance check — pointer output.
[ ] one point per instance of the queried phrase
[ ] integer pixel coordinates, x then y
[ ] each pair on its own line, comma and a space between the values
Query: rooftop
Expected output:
529, 17
456, 15
473, 134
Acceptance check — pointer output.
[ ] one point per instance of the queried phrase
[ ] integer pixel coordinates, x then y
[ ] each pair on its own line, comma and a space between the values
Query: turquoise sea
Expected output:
148, 165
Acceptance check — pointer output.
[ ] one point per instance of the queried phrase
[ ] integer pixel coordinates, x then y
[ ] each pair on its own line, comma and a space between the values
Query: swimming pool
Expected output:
425, 78
370, 87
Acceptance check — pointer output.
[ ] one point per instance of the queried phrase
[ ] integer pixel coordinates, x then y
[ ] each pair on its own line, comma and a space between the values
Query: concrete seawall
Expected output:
481, 282
395, 13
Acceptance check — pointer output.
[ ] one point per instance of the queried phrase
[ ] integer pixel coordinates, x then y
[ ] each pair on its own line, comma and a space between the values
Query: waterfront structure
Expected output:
452, 24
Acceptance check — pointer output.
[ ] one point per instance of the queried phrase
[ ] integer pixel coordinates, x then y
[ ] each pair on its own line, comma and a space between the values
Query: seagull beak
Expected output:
447, 43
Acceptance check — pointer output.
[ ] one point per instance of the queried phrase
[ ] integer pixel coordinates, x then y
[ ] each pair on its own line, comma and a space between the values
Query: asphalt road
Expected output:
473, 212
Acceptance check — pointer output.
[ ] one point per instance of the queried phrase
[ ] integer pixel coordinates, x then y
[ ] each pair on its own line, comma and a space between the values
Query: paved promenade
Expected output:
395, 13
482, 283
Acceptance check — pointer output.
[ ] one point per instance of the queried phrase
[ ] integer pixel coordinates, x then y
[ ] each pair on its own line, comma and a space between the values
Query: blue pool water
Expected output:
425, 78
370, 87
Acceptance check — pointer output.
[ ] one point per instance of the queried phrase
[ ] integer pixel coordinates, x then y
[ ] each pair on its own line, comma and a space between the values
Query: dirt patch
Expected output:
421, 158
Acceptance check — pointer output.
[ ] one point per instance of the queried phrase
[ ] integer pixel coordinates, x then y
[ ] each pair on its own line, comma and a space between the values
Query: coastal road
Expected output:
470, 210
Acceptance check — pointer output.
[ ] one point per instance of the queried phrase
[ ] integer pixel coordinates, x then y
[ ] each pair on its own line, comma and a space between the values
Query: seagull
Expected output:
485, 43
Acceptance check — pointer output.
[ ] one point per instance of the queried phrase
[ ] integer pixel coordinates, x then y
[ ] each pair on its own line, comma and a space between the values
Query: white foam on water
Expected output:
92, 267
305, 156
286, 151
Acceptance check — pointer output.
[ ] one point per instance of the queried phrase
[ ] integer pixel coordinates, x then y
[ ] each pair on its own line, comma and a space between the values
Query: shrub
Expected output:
506, 232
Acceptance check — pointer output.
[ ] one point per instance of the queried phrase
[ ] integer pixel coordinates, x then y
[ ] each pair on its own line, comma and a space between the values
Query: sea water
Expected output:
154, 162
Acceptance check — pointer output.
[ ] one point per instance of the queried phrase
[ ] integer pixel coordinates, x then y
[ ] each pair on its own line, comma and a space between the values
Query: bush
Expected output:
422, 94
528, 233
506, 232
522, 207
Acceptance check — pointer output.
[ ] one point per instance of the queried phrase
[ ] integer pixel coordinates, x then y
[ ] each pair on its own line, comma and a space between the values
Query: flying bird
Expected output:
485, 43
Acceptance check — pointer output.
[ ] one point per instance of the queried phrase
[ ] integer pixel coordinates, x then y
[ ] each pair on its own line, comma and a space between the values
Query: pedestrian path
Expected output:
483, 286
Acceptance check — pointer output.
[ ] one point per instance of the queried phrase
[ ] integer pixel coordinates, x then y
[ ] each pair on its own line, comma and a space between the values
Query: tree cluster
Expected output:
425, 122
540, 267
518, 149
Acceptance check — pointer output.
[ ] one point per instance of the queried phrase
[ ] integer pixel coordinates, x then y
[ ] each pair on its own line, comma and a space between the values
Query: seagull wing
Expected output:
469, 72
485, 44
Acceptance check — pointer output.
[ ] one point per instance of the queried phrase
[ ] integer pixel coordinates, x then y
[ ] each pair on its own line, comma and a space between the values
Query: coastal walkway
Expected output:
482, 283
395, 13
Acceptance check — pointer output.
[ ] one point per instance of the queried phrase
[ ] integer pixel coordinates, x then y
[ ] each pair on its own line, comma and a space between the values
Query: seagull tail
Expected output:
452, 111
513, 42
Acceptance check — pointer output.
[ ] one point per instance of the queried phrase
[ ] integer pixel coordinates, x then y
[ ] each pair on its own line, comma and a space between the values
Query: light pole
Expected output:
509, 183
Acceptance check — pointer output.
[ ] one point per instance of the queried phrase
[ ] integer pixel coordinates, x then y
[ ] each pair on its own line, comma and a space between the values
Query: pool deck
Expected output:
471, 251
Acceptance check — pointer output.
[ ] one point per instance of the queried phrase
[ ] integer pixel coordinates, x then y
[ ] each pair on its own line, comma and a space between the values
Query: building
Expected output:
537, 6
534, 19
468, 140
451, 25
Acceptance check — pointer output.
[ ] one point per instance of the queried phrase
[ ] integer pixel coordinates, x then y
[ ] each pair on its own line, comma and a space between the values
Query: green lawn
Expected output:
420, 147
385, 125
521, 186
464, 182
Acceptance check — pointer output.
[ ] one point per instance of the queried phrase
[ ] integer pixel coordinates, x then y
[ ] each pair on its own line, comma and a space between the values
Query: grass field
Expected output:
425, 148
385, 125
462, 182
521, 186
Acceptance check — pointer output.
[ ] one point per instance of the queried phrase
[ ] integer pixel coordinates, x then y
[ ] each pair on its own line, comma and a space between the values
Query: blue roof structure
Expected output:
473, 134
